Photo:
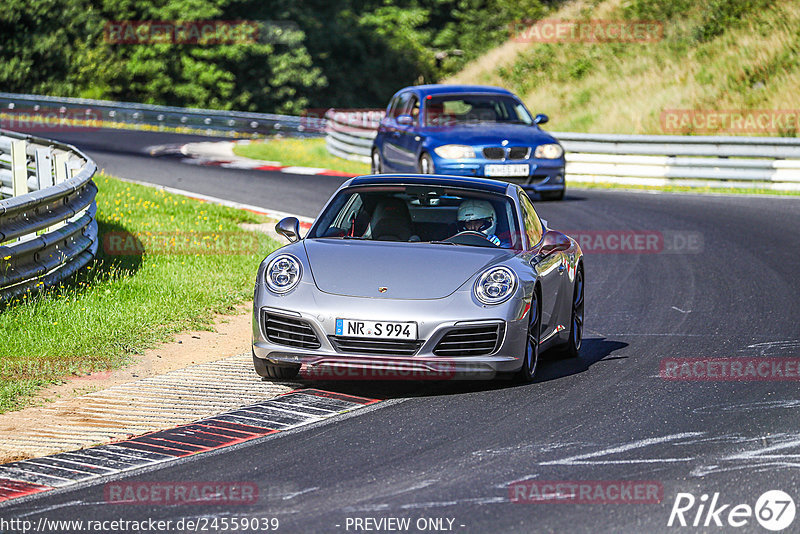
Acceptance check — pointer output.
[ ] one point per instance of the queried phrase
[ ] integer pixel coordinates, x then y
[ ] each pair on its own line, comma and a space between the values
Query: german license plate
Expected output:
507, 170
376, 329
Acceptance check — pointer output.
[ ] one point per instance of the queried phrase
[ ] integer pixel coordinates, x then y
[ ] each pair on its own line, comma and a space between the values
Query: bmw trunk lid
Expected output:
380, 269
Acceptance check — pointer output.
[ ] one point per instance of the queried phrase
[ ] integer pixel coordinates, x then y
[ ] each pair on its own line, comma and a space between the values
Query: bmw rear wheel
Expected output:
425, 164
531, 356
376, 164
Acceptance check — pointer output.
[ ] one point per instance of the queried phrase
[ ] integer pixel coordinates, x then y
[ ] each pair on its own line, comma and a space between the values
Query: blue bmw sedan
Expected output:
468, 130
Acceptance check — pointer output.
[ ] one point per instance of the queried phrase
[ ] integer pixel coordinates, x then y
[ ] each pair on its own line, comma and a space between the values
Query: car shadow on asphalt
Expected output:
551, 367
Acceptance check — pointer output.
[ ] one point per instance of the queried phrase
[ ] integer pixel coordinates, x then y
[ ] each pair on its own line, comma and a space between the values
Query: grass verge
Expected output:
301, 152
187, 261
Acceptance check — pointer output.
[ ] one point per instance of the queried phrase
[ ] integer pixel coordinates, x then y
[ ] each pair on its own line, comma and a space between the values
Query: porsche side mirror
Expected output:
554, 242
405, 120
289, 228
541, 118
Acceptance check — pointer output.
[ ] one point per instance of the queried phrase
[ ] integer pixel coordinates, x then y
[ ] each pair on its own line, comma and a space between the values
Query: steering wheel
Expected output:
470, 237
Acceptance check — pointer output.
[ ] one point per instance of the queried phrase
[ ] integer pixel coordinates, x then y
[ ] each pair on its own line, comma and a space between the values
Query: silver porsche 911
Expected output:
410, 276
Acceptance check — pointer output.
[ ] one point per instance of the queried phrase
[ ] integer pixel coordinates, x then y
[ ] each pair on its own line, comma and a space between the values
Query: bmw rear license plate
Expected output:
507, 170
376, 329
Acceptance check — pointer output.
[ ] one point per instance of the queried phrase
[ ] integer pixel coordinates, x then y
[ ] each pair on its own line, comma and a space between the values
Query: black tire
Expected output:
573, 346
425, 165
558, 195
268, 370
530, 360
375, 162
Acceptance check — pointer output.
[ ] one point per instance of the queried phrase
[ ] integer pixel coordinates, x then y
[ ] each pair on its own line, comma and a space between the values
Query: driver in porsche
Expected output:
478, 216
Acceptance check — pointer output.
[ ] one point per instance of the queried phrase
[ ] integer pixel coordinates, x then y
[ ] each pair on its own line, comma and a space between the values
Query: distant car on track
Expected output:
439, 276
468, 130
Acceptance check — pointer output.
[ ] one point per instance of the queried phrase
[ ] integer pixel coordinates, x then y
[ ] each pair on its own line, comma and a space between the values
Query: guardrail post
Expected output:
19, 168
61, 174
61, 167
44, 167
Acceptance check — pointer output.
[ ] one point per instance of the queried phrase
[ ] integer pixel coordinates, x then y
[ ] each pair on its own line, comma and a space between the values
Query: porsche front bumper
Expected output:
443, 331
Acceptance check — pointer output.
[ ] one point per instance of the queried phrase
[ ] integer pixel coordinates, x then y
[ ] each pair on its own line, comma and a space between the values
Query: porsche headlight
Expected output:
454, 151
283, 273
548, 151
495, 285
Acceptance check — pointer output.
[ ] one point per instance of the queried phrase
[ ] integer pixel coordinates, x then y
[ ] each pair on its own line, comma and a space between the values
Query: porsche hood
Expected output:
395, 270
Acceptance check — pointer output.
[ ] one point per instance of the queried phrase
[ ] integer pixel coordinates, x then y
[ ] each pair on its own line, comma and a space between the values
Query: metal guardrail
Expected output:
730, 161
48, 229
349, 135
33, 108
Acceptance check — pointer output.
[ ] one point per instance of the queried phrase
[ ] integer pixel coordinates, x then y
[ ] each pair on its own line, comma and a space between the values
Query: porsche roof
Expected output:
480, 184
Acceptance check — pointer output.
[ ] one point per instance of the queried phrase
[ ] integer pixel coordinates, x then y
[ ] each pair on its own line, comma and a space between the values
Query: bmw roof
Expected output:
440, 89
480, 184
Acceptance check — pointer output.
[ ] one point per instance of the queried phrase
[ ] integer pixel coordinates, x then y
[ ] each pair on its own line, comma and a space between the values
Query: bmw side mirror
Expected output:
541, 118
554, 242
405, 120
289, 228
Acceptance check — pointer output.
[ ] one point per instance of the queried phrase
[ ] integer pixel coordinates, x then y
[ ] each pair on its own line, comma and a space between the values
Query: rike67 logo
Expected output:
774, 510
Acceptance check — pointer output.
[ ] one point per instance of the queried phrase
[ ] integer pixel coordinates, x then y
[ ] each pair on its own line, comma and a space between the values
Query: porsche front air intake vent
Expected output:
470, 341
290, 332
378, 347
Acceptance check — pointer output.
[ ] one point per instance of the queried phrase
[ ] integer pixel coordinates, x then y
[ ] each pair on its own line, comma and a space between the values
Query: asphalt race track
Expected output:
124, 153
728, 289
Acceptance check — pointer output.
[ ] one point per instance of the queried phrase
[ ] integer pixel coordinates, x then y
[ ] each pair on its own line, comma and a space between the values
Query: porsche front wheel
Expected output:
531, 356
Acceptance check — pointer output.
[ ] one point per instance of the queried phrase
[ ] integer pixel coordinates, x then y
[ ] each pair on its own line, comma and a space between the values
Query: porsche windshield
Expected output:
451, 110
421, 214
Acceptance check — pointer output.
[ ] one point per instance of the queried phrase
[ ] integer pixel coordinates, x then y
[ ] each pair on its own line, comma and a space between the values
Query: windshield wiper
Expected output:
446, 243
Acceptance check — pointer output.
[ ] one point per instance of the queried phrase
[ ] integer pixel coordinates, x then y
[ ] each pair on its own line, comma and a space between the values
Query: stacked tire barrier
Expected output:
693, 161
48, 229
